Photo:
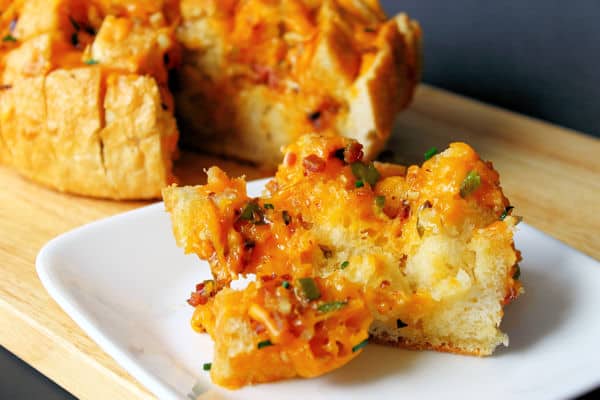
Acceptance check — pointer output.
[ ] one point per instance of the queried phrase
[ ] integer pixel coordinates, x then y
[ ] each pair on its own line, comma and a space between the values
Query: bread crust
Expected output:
406, 344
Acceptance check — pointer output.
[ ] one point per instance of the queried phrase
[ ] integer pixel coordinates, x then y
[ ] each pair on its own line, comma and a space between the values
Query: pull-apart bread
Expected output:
85, 104
343, 249
266, 72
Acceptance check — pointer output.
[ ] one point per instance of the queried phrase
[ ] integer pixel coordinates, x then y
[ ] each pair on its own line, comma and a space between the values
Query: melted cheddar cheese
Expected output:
395, 249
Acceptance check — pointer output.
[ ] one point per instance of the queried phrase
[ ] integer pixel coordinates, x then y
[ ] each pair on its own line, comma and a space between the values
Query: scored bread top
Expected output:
427, 251
84, 106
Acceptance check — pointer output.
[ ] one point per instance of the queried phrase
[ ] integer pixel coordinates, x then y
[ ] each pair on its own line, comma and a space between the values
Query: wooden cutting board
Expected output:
551, 175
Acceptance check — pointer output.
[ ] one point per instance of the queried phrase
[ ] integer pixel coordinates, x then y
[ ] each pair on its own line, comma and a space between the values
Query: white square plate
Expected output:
124, 281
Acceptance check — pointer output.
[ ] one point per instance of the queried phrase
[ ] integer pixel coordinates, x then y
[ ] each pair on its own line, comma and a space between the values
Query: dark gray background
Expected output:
536, 57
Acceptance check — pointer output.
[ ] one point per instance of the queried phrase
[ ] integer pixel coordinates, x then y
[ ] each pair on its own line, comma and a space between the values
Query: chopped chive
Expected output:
250, 211
9, 38
310, 290
264, 343
286, 217
207, 366
360, 345
91, 61
470, 183
380, 201
401, 324
430, 153
344, 264
269, 206
365, 173
517, 273
359, 184
506, 212
285, 284
332, 306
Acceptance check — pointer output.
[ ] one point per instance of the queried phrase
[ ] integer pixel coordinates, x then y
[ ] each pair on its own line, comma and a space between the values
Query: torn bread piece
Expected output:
428, 250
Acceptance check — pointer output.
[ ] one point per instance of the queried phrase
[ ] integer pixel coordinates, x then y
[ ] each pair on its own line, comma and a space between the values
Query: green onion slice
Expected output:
344, 264
332, 306
249, 210
380, 201
91, 61
9, 38
207, 366
365, 173
506, 212
269, 206
285, 284
430, 153
264, 343
470, 183
360, 345
310, 290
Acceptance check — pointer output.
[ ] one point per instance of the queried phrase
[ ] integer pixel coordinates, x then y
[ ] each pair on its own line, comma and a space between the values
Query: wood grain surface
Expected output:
551, 175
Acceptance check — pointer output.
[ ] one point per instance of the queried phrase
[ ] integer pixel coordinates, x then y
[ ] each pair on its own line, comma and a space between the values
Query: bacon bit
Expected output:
402, 261
196, 299
384, 284
404, 211
204, 290
267, 278
313, 163
265, 75
286, 277
289, 159
353, 152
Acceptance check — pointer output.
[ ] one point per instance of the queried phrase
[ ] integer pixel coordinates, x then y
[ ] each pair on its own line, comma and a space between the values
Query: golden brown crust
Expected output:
406, 344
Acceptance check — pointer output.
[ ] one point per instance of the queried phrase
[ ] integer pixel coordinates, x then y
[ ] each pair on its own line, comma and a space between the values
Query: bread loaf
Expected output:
87, 86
